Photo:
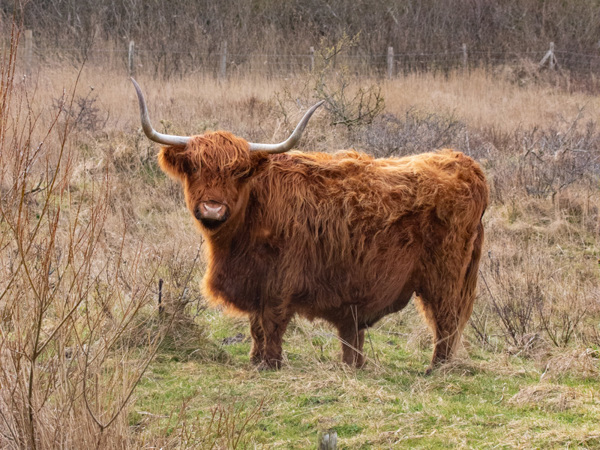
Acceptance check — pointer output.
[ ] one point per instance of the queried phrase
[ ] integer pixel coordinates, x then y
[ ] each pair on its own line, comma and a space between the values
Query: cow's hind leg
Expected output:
448, 309
446, 324
352, 340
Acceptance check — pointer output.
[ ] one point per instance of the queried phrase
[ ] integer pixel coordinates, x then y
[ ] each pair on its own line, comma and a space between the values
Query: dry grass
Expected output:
485, 101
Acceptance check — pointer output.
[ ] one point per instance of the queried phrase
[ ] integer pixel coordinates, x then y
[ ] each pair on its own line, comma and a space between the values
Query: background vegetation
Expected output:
90, 226
183, 36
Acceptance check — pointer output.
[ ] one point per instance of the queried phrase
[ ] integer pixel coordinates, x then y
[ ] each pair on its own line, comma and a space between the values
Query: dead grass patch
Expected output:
548, 397
576, 363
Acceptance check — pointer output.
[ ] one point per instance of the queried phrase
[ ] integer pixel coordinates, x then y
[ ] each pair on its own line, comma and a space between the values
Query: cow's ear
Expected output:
175, 162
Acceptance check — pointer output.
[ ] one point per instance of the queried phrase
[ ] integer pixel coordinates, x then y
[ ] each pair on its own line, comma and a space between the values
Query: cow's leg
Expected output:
447, 325
352, 340
258, 339
447, 313
274, 323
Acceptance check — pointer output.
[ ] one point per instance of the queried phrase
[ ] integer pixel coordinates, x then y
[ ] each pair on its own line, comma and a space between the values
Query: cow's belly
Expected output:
364, 301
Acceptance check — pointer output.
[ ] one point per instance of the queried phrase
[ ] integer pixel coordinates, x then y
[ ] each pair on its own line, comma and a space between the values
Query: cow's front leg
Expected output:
273, 323
257, 352
352, 340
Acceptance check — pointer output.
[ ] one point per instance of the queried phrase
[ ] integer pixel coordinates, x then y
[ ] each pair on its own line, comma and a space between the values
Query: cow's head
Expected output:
214, 168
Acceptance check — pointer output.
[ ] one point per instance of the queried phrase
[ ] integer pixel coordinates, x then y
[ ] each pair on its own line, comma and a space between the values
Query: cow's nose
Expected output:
212, 210
211, 213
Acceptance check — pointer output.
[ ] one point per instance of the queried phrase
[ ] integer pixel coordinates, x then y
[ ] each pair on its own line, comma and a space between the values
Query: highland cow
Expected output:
342, 237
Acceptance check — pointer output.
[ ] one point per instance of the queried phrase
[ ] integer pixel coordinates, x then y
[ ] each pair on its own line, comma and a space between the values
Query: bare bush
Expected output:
554, 160
414, 133
66, 296
525, 303
333, 83
85, 114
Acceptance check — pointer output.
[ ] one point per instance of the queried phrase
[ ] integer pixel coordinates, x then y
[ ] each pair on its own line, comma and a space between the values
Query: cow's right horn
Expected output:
153, 135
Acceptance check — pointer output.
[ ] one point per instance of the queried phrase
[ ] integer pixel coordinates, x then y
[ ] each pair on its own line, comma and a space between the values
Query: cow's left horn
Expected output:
289, 143
153, 135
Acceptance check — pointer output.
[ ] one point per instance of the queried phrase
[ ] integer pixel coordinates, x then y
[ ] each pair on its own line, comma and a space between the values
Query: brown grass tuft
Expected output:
576, 363
547, 397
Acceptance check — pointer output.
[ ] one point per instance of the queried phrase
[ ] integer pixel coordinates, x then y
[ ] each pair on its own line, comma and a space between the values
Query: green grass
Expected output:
487, 400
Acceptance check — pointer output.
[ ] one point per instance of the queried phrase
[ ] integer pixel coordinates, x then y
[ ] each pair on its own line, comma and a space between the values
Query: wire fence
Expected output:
166, 62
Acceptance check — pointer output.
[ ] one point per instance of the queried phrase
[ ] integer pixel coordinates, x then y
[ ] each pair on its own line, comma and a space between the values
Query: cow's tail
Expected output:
469, 286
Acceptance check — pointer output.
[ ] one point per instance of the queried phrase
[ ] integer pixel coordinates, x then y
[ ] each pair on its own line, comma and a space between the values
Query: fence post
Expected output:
223, 69
28, 52
550, 58
327, 440
312, 58
131, 59
160, 305
464, 56
390, 62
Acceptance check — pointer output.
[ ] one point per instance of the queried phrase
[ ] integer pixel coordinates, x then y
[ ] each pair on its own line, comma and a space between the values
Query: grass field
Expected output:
90, 224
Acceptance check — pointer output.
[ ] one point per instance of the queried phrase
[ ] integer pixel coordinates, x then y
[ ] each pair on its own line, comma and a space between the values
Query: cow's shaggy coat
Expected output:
343, 237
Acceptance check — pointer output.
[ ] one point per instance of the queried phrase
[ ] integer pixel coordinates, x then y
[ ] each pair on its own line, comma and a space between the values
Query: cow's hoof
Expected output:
433, 367
255, 359
268, 365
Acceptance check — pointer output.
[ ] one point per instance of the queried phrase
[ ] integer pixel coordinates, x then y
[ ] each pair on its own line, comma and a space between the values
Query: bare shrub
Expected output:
85, 113
554, 160
416, 132
226, 427
333, 83
66, 296
526, 303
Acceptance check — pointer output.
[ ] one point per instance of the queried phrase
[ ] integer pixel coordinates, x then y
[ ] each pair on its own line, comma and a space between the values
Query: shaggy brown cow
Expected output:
342, 237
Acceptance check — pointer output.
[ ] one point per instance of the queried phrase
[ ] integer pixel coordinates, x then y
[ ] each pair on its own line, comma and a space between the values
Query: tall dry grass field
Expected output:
89, 225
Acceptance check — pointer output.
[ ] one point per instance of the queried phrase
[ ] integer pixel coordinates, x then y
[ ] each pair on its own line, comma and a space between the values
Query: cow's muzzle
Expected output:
211, 214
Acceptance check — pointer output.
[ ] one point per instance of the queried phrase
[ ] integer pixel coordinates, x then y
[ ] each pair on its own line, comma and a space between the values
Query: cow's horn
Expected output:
289, 143
153, 135
182, 141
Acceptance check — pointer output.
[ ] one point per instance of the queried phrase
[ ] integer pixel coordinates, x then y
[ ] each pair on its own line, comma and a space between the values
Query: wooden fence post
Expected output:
223, 68
327, 440
390, 62
28, 52
464, 56
312, 58
131, 59
161, 308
